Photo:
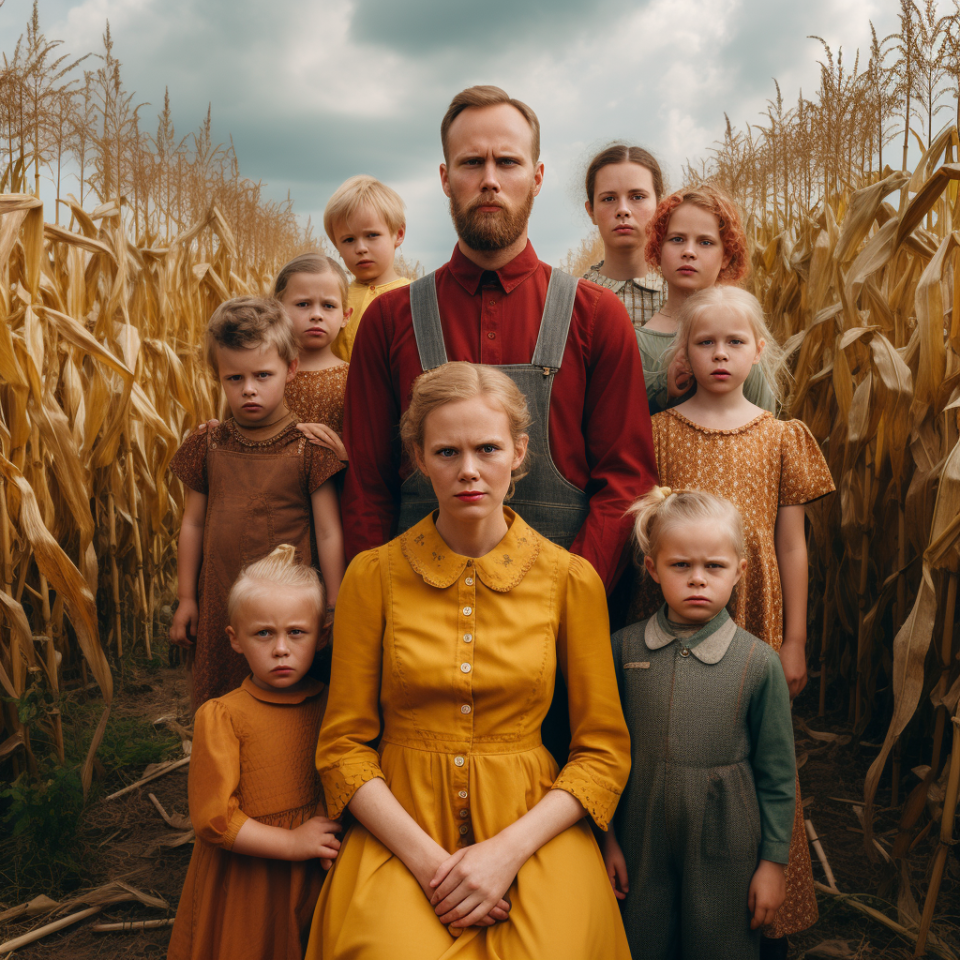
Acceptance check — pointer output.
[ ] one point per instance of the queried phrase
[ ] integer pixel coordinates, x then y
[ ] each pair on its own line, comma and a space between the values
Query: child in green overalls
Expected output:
700, 839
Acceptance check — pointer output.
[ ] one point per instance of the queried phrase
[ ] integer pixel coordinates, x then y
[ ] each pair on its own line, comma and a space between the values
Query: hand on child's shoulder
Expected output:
204, 426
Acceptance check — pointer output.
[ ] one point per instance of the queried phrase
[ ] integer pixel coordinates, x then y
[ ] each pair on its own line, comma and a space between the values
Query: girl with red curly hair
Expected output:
697, 240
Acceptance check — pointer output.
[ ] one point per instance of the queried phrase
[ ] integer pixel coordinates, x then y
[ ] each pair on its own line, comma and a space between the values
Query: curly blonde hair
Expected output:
464, 381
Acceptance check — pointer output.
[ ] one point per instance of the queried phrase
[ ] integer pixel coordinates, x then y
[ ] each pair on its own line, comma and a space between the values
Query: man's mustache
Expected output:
484, 201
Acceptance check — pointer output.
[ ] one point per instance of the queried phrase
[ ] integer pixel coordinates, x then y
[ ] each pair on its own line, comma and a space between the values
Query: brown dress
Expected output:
258, 496
252, 757
316, 396
762, 466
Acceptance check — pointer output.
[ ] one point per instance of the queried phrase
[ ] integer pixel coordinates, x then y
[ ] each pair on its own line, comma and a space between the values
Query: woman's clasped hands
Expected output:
470, 887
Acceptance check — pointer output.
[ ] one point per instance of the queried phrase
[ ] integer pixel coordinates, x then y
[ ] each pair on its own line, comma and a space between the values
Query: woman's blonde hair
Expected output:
773, 359
662, 508
279, 568
463, 381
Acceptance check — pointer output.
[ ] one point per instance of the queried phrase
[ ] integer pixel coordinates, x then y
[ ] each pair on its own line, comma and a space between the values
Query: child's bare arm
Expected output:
791, 547
317, 837
326, 522
616, 864
323, 436
183, 629
768, 890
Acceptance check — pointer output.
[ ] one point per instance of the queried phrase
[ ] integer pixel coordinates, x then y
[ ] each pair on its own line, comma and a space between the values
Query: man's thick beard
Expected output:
490, 231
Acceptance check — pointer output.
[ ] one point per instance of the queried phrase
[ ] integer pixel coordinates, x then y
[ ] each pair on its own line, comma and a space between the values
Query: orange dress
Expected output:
258, 496
316, 396
252, 757
762, 466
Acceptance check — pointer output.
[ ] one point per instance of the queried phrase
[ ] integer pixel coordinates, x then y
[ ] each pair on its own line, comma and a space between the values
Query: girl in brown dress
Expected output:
313, 291
720, 442
253, 482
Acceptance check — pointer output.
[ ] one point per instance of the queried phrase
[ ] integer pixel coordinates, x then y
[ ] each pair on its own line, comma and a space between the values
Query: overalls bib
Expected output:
553, 506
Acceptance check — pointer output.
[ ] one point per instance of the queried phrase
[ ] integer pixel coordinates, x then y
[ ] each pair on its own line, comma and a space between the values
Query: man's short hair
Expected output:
247, 322
364, 191
487, 96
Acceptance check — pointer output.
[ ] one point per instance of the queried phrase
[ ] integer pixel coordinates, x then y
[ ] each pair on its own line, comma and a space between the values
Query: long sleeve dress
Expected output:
443, 670
762, 466
252, 757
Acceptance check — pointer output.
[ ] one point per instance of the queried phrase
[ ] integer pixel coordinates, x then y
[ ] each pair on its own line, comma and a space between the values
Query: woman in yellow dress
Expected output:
468, 841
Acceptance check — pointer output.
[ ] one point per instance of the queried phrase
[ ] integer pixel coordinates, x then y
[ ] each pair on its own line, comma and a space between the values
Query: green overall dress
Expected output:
711, 789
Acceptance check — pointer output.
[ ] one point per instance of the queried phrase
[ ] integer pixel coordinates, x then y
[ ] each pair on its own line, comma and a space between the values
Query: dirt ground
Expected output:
120, 836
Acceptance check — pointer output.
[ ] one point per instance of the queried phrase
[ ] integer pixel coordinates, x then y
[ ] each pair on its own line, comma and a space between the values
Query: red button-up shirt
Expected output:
599, 421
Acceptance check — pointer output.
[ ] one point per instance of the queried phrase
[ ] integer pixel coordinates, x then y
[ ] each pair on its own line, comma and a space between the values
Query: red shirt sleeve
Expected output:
616, 428
371, 489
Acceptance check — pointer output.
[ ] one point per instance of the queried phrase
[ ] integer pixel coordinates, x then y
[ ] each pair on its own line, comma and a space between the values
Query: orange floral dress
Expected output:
762, 466
316, 396
252, 757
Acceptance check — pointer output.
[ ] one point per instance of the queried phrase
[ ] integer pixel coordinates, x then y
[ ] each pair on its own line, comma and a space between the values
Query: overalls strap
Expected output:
427, 329
557, 314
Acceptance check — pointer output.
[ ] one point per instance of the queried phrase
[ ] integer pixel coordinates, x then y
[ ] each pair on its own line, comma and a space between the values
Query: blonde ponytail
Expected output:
282, 568
662, 507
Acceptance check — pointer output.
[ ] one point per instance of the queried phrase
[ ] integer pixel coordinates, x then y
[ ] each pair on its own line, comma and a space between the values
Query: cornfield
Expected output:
858, 268
99, 371
857, 265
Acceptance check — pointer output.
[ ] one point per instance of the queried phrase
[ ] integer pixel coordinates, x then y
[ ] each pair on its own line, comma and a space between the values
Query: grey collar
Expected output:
708, 644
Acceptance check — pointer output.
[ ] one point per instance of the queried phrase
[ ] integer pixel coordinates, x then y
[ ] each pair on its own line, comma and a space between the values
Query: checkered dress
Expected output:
642, 296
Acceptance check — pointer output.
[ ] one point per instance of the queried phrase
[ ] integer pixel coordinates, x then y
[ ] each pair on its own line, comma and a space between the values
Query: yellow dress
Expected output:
359, 297
451, 663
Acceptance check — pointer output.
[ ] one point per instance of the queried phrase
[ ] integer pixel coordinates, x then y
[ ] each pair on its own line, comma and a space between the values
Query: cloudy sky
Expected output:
316, 91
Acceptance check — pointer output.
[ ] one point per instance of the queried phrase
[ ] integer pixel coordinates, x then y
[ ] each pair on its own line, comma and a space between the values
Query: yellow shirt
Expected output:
359, 297
443, 670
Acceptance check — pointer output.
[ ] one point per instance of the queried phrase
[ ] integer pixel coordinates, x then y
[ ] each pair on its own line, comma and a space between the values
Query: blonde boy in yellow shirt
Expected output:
365, 221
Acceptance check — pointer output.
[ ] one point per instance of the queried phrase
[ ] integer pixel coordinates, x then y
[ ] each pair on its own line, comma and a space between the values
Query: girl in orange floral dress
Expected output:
313, 291
720, 442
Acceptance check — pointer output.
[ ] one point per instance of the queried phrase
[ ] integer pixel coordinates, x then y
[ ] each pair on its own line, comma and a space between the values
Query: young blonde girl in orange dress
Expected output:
720, 442
256, 803
697, 240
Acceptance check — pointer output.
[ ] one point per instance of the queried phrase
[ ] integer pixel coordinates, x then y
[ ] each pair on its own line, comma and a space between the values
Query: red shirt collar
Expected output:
511, 274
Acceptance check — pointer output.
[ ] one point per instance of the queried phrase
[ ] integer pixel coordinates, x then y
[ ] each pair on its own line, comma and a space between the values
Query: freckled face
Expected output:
692, 256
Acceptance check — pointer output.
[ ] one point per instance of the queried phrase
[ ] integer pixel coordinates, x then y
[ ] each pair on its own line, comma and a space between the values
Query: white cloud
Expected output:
313, 95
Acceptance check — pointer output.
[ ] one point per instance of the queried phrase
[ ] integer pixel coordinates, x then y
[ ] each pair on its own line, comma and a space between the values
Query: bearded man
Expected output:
572, 352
